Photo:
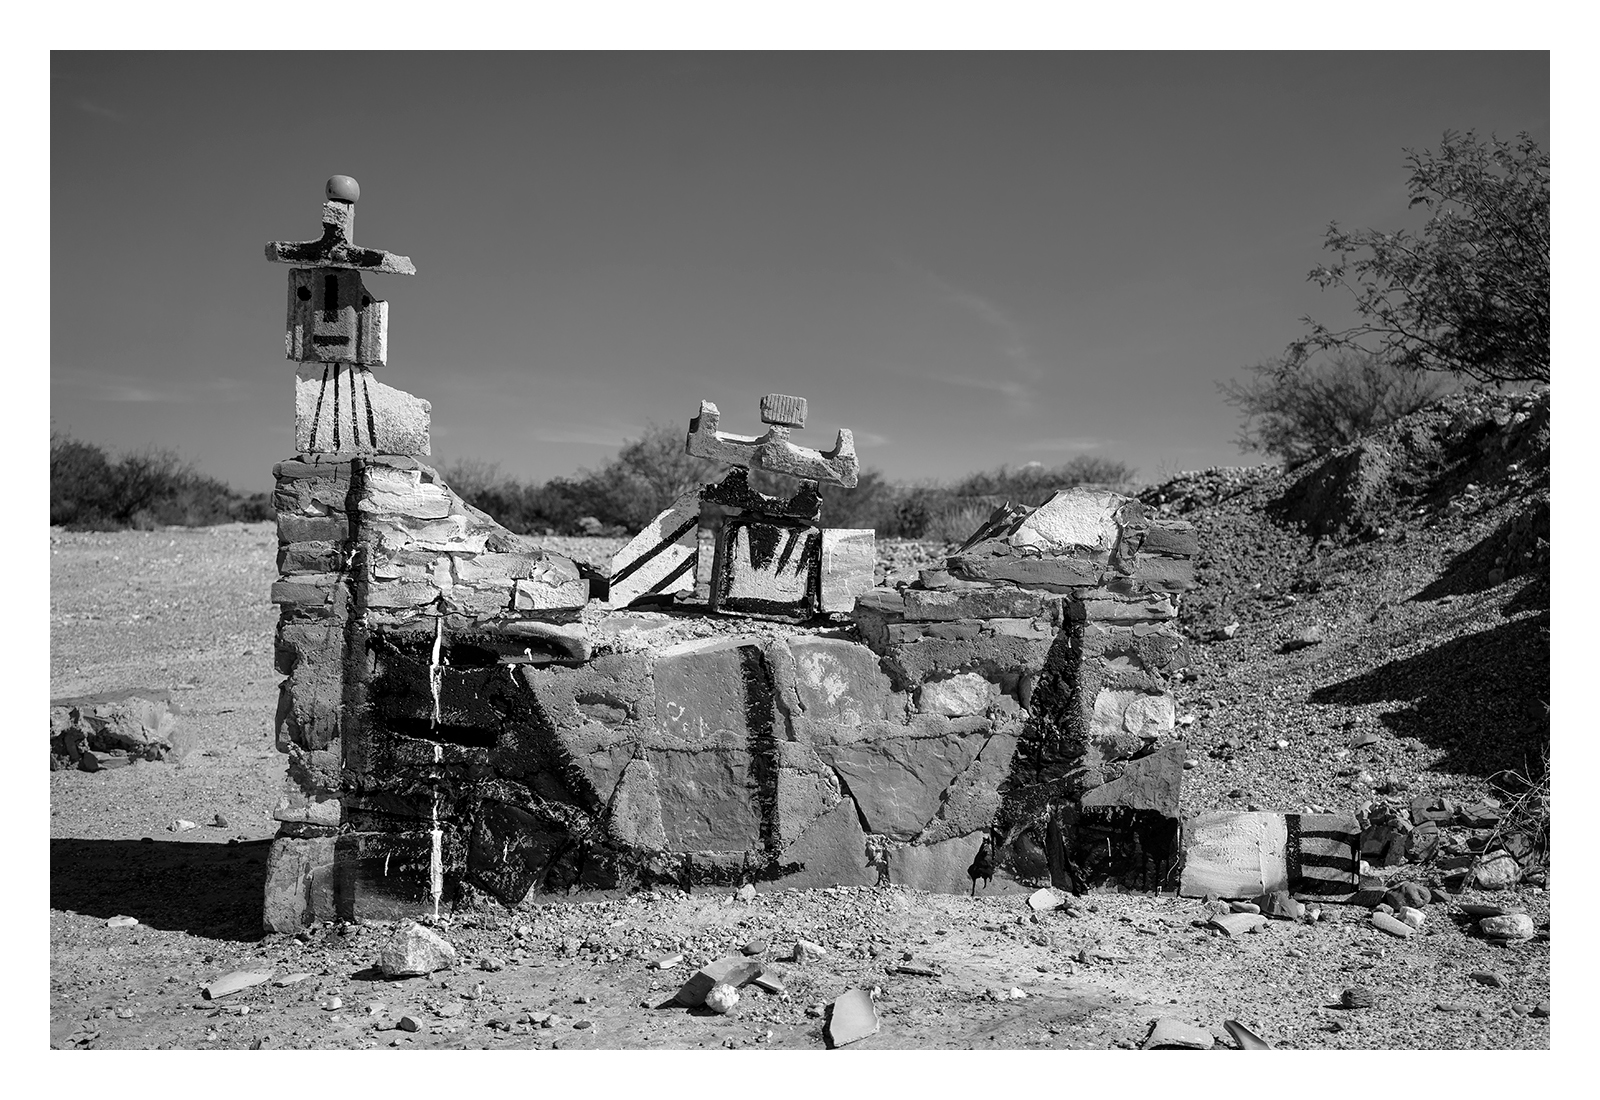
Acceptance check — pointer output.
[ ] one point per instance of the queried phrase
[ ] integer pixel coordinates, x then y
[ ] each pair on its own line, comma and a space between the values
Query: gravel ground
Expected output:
1420, 645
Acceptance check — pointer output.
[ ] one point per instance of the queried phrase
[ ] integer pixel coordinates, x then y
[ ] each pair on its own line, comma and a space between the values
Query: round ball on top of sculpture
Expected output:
343, 189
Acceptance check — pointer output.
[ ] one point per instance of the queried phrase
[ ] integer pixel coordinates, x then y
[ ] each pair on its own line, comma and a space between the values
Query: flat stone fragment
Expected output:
346, 410
734, 971
849, 558
769, 980
851, 1018
661, 557
1237, 924
234, 981
414, 951
1170, 1034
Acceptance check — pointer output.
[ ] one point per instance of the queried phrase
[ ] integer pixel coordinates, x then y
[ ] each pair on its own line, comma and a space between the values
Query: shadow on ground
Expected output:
1482, 697
211, 890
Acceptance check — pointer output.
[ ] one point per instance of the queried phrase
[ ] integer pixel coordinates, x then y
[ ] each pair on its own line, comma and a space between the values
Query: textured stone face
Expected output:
765, 567
848, 563
898, 782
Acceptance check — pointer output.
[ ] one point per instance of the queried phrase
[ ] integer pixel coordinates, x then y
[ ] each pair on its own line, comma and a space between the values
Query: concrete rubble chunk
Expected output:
849, 558
851, 1018
779, 408
414, 951
1169, 1034
734, 971
141, 721
235, 981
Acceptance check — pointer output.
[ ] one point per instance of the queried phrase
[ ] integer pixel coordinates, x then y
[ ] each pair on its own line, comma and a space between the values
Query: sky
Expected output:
968, 259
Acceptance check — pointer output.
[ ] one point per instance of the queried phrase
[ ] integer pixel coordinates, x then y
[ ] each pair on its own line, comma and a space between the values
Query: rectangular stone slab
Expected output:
661, 557
848, 560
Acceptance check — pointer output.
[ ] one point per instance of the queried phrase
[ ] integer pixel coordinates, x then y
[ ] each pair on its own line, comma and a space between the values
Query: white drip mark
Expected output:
436, 857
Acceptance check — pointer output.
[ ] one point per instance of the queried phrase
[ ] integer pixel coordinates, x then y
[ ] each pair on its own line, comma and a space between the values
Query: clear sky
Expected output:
968, 259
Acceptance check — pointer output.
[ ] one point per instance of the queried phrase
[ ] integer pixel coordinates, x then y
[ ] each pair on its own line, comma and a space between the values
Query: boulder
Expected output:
1510, 927
142, 722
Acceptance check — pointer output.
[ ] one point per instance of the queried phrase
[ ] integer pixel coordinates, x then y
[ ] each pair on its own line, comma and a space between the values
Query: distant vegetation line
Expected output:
153, 487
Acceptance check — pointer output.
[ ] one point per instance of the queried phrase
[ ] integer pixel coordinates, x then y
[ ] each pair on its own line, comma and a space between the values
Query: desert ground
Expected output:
1421, 643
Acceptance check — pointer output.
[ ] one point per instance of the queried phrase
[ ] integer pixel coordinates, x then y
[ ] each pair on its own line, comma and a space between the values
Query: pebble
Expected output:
181, 826
667, 962
122, 922
332, 1004
1490, 978
805, 950
1358, 996
757, 946
1541, 1009
491, 963
219, 822
409, 1023
583, 1025
1413, 917
234, 981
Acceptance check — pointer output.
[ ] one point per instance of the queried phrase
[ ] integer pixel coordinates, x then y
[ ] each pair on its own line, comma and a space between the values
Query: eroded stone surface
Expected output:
346, 410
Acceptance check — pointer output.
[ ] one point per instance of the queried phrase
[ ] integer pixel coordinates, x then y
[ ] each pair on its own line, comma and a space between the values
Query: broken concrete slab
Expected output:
1245, 855
734, 970
849, 562
851, 1018
1237, 924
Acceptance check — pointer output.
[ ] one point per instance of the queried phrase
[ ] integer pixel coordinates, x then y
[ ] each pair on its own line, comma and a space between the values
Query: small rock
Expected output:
747, 892
1384, 922
1045, 900
409, 1023
1244, 907
181, 826
122, 922
1490, 978
290, 979
1304, 637
1413, 917
1170, 1034
333, 1004
1190, 764
585, 1025
667, 962
1541, 1009
757, 946
451, 1011
1453, 1006
1497, 871
805, 950
1511, 927
491, 963
769, 980
219, 822
414, 951
1358, 996
721, 998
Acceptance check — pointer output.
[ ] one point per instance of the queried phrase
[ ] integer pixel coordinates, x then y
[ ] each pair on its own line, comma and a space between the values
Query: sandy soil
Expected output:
188, 609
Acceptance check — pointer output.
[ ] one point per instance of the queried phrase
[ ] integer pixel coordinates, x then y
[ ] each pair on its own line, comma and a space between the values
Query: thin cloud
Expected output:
89, 107
1068, 443
100, 386
870, 439
1011, 341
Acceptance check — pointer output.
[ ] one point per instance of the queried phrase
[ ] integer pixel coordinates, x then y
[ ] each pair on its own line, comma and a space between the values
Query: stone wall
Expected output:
459, 714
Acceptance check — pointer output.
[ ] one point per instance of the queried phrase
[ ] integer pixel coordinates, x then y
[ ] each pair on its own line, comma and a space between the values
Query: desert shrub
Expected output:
147, 488
1300, 412
1469, 293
